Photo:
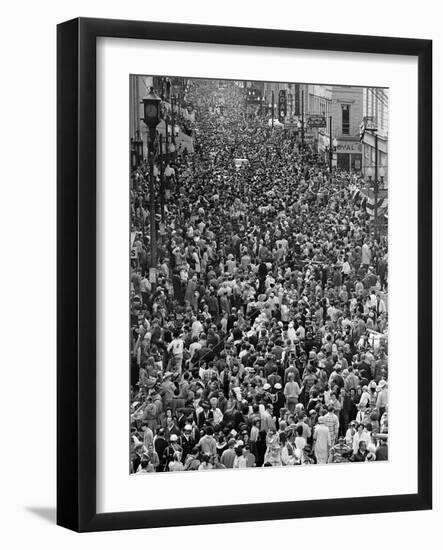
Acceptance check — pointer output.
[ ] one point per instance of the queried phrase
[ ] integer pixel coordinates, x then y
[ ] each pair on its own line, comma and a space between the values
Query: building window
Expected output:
345, 109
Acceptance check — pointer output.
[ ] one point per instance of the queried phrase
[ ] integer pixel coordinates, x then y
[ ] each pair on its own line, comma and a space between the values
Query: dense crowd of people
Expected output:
262, 340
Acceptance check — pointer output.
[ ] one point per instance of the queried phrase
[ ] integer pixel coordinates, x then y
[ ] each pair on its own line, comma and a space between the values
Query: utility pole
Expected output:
151, 112
303, 120
166, 139
373, 129
162, 179
153, 243
376, 186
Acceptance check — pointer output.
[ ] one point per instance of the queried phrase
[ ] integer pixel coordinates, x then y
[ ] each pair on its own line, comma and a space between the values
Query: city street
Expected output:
259, 276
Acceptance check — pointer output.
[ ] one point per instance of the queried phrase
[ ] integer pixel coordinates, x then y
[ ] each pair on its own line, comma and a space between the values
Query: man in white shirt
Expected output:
175, 348
196, 327
380, 306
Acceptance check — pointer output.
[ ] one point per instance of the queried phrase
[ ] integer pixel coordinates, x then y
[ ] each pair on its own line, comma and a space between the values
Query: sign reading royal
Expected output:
348, 147
316, 121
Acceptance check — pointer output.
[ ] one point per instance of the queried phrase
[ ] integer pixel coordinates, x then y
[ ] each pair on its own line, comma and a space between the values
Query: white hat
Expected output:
382, 383
267, 386
277, 386
173, 437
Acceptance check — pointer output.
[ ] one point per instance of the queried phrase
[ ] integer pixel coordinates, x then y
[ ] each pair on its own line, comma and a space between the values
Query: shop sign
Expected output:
316, 121
348, 147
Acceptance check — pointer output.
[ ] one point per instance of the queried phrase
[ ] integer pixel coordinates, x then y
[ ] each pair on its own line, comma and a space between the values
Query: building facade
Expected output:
318, 101
139, 87
343, 108
376, 106
347, 114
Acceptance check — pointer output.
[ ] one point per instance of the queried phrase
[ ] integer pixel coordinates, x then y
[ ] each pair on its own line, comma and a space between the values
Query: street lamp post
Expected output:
369, 125
332, 149
151, 117
138, 143
167, 138
303, 120
133, 155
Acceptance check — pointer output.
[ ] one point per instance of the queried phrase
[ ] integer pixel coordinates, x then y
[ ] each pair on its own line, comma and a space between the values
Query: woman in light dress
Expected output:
322, 441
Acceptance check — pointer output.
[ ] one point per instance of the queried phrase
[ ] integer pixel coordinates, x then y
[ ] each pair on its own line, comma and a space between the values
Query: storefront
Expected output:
369, 157
349, 155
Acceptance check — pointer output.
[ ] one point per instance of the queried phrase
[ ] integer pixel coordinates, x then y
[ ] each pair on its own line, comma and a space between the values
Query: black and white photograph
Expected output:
259, 274
232, 216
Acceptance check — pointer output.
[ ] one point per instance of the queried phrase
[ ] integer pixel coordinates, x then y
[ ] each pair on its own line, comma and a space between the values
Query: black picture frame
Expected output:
76, 279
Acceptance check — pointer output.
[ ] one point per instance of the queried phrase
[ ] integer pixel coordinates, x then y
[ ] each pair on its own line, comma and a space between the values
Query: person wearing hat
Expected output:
186, 441
203, 416
171, 451
278, 399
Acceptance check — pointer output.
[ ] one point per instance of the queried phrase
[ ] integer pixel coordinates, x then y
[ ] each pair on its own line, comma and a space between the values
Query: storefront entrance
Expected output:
349, 162
343, 161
